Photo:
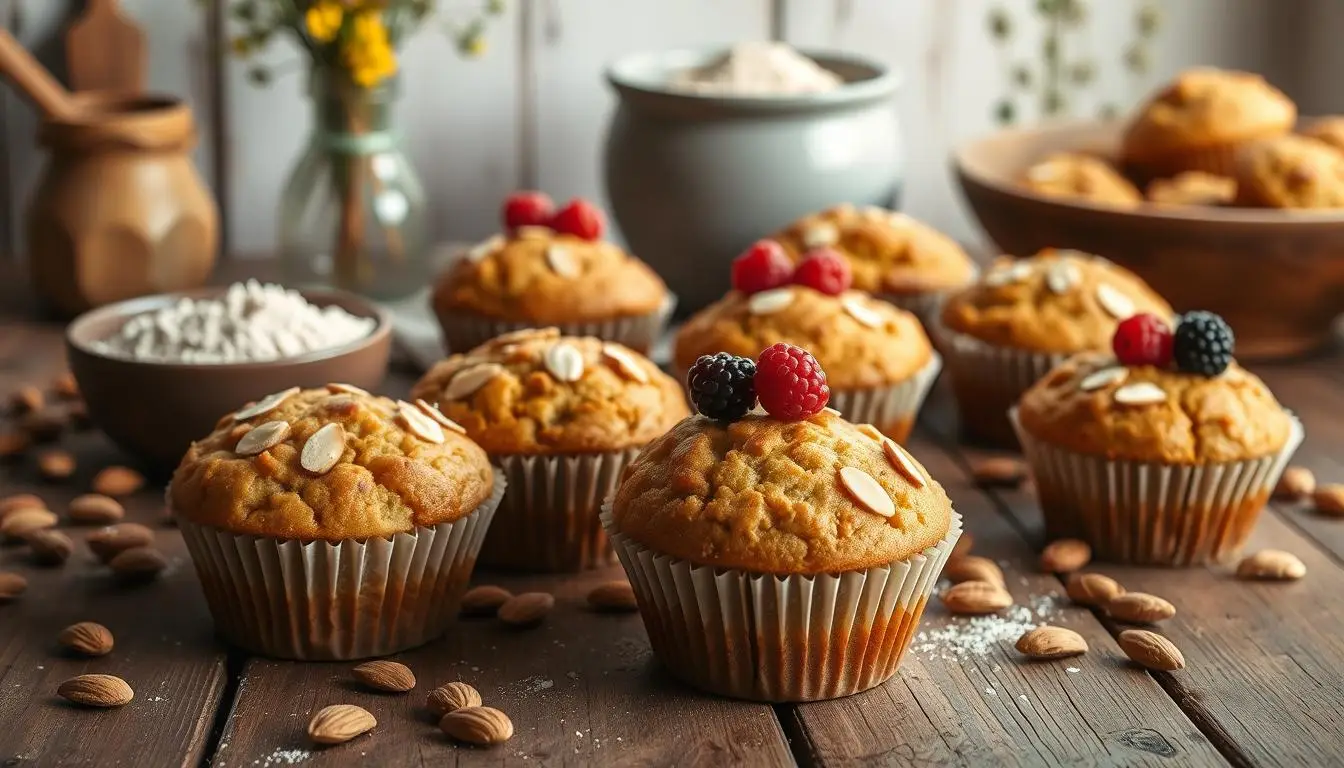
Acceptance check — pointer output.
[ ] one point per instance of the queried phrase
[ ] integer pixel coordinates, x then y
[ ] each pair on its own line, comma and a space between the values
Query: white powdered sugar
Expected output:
978, 636
251, 322
758, 69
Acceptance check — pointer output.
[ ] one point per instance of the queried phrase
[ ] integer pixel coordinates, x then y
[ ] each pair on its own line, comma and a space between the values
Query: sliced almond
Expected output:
1051, 643
417, 423
976, 598
1116, 304
482, 726
522, 335
1272, 565
1295, 484
96, 691
465, 382
973, 568
433, 412
1140, 393
1103, 378
820, 235
1140, 608
861, 312
1010, 273
527, 609
265, 404
613, 597
770, 302
340, 723
484, 600
1092, 589
386, 676
1151, 650
483, 250
1063, 276
1065, 556
323, 449
451, 697
346, 389
561, 261
902, 462
87, 638
564, 361
625, 363
262, 437
867, 491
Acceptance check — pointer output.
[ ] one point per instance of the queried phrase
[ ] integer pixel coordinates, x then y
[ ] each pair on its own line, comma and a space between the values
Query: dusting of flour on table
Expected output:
758, 69
251, 322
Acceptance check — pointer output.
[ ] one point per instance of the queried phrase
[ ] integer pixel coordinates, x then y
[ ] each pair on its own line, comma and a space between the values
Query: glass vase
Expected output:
352, 215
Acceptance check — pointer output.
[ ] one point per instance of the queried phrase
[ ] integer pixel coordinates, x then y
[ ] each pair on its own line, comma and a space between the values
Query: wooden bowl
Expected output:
155, 410
1277, 276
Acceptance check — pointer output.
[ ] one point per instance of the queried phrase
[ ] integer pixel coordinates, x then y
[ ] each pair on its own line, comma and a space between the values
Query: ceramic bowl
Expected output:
693, 179
1277, 276
155, 410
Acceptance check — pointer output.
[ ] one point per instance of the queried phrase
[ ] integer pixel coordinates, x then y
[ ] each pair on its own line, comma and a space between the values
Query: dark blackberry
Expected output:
722, 386
1202, 344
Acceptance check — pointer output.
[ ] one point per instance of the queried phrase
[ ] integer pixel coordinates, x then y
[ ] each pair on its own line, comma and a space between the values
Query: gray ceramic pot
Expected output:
693, 179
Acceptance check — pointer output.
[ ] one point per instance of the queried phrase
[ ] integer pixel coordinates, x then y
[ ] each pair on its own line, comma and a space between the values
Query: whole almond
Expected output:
614, 597
975, 598
1051, 643
96, 691
95, 509
1151, 650
340, 723
386, 676
13, 444
138, 563
527, 609
18, 525
26, 399
999, 472
87, 638
1295, 484
11, 586
43, 426
20, 501
1065, 555
482, 726
963, 545
1092, 589
49, 546
1329, 499
1272, 565
1140, 608
56, 464
65, 386
118, 481
105, 543
973, 568
484, 600
451, 697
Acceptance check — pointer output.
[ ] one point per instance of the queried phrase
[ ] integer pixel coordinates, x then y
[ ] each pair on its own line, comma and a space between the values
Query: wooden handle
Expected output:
29, 76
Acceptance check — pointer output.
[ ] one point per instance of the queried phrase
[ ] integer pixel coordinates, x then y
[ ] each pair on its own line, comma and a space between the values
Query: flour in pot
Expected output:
758, 69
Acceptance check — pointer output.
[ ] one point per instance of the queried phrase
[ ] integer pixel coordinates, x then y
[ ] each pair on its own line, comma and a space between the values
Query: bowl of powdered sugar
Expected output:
160, 371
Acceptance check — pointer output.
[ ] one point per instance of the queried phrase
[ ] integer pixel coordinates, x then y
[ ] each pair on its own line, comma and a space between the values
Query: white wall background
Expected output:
532, 111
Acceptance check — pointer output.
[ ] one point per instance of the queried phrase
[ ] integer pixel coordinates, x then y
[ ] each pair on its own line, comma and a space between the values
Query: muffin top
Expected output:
1092, 405
1080, 176
536, 392
1207, 107
1291, 172
1056, 301
888, 252
1193, 188
541, 276
860, 341
1327, 129
782, 497
330, 463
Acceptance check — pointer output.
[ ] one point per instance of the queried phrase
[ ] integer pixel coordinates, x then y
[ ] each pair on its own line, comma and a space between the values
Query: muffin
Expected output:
1193, 188
561, 417
1023, 318
1201, 120
1291, 172
1151, 461
891, 255
1327, 129
879, 362
554, 271
780, 560
332, 524
1079, 176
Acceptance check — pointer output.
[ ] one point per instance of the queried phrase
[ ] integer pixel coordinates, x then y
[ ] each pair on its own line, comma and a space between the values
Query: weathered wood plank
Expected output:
996, 708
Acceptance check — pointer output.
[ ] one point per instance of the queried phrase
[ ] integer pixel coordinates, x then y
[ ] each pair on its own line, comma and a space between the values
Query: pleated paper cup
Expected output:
351, 599
464, 331
780, 638
1149, 513
549, 520
988, 380
892, 409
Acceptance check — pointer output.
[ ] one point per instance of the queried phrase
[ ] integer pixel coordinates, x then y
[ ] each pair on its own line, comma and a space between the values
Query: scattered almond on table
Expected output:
13, 444
386, 676
1092, 589
138, 563
1329, 499
613, 597
527, 609
999, 472
973, 568
26, 399
95, 509
106, 542
1050, 642
96, 691
1271, 565
1151, 650
340, 723
20, 501
484, 600
49, 546
976, 598
1295, 484
11, 586
1065, 556
87, 638
21, 523
1140, 608
451, 697
481, 726
56, 464
118, 481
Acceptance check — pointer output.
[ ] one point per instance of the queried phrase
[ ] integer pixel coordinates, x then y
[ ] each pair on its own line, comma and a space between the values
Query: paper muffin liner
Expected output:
549, 519
780, 638
350, 599
891, 409
988, 380
464, 331
1149, 513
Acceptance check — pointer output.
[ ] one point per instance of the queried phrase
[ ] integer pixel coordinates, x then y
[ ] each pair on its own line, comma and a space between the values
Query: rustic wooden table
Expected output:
1264, 683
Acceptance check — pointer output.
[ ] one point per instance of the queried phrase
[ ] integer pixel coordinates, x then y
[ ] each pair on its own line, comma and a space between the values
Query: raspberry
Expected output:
527, 209
761, 267
579, 218
790, 383
825, 270
1143, 339
722, 386
1203, 344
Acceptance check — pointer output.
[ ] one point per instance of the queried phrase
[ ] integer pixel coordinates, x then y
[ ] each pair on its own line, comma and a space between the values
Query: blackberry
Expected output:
723, 386
1202, 344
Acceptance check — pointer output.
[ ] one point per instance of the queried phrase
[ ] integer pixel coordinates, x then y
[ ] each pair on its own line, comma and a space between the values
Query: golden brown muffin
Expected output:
888, 252
1327, 129
1198, 121
399, 469
859, 341
1193, 188
1081, 177
543, 277
1056, 301
535, 392
767, 496
1291, 172
1152, 414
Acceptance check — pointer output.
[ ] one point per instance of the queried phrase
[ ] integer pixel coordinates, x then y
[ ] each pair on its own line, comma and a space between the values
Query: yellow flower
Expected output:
323, 20
241, 46
473, 46
366, 51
